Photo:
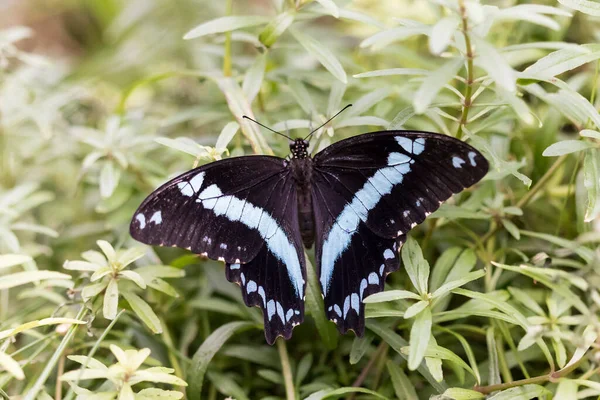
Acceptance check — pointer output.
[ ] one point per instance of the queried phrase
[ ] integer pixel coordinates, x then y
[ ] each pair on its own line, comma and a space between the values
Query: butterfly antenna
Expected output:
326, 122
266, 127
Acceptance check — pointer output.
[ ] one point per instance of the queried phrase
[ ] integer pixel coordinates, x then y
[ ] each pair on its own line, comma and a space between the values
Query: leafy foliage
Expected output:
499, 294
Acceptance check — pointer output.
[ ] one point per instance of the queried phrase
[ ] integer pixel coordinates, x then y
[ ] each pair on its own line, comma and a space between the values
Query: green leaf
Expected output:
391, 295
321, 53
548, 280
563, 60
526, 300
314, 304
384, 38
433, 83
109, 179
11, 366
392, 72
226, 135
254, 78
359, 347
591, 181
566, 389
330, 6
590, 134
335, 393
585, 6
419, 338
397, 343
143, 311
442, 34
493, 366
500, 305
35, 324
10, 260
276, 28
240, 106
416, 266
415, 309
495, 65
448, 286
226, 24
463, 394
525, 392
566, 147
403, 387
206, 352
111, 300
588, 337
511, 228
22, 278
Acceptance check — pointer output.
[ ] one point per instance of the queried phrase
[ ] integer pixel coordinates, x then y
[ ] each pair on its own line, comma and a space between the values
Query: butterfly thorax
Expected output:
301, 166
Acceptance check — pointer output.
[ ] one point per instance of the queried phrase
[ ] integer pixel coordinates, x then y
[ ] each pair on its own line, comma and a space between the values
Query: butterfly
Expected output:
355, 201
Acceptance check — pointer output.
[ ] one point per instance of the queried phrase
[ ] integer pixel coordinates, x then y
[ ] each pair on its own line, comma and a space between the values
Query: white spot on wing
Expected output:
223, 246
397, 158
388, 254
373, 279
405, 142
363, 286
156, 218
234, 266
141, 219
270, 309
337, 310
419, 146
472, 158
251, 287
354, 302
457, 162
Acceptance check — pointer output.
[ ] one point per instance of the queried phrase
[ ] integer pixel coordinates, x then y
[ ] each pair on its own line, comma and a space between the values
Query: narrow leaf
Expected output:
419, 338
321, 53
433, 83
566, 147
206, 352
143, 311
225, 24
591, 181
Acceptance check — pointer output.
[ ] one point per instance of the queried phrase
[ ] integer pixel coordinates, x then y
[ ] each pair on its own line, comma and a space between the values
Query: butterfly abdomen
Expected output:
302, 170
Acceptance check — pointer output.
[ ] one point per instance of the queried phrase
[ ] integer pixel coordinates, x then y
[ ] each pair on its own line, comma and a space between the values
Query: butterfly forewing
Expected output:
369, 191
242, 211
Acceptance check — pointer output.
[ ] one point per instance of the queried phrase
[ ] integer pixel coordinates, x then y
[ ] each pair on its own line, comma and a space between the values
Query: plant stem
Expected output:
290, 392
227, 57
552, 377
469, 82
38, 385
93, 350
367, 368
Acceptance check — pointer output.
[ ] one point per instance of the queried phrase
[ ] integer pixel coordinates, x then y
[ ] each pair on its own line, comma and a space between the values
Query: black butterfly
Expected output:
356, 200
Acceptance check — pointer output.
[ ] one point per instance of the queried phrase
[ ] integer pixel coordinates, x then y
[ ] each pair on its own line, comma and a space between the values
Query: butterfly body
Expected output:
355, 201
301, 167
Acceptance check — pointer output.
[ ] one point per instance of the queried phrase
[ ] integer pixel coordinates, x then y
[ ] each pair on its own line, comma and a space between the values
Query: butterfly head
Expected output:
299, 148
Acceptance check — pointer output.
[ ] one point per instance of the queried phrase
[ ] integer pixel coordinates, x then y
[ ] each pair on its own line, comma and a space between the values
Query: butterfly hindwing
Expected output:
242, 211
369, 191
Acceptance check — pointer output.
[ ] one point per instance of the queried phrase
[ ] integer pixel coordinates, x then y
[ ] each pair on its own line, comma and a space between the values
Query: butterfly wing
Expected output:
243, 211
368, 192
